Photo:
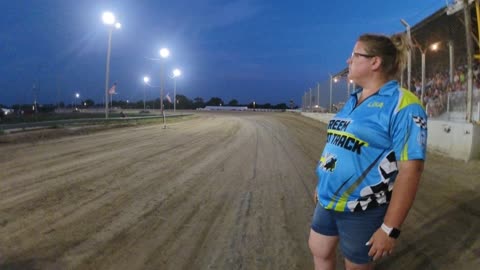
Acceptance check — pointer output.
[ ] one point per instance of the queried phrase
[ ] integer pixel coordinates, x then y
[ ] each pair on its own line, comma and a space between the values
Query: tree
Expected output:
215, 101
281, 106
89, 103
233, 102
184, 102
198, 103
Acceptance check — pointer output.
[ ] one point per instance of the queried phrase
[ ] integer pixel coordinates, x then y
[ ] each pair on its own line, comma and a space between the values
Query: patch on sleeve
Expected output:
420, 122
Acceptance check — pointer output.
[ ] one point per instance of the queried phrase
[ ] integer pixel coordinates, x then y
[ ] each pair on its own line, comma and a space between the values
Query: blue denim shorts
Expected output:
353, 228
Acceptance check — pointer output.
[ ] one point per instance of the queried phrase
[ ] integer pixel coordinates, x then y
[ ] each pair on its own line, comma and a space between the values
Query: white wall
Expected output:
452, 139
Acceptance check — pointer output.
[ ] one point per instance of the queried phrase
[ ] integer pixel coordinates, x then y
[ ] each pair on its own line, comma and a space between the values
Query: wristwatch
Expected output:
392, 232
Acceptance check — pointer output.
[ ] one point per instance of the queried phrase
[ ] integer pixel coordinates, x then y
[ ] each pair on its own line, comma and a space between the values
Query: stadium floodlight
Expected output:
146, 79
176, 73
109, 19
434, 46
77, 95
332, 80
164, 52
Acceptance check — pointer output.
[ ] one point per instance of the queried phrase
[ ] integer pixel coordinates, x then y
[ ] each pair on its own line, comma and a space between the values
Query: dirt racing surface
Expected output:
219, 191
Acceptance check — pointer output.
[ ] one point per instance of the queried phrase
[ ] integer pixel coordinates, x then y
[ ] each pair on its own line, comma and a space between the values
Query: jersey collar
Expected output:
388, 89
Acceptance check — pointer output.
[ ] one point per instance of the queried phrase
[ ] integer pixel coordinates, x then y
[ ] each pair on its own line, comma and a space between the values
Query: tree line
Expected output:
183, 103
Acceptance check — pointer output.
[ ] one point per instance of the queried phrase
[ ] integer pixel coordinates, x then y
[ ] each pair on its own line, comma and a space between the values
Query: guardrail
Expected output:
55, 123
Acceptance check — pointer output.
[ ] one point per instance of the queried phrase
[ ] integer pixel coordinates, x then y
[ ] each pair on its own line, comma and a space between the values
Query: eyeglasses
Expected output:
362, 54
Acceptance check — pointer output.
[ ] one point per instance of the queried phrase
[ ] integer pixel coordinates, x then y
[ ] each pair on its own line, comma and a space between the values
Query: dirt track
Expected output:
221, 191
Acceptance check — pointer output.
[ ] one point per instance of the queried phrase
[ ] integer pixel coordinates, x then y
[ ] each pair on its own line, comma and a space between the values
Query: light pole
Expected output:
176, 73
409, 53
332, 80
77, 95
109, 20
146, 79
164, 53
433, 47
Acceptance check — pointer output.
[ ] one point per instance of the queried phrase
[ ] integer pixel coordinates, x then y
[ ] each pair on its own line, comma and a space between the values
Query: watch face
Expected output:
395, 233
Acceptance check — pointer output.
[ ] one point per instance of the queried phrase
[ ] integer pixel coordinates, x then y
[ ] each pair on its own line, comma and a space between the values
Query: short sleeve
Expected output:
409, 133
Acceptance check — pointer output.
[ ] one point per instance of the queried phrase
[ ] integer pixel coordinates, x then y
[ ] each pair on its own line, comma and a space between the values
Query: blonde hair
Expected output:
392, 50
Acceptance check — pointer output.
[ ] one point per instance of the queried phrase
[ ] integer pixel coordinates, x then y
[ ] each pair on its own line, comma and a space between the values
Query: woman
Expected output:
372, 161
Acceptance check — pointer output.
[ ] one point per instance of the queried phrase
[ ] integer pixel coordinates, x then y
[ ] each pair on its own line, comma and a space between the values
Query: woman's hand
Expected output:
382, 244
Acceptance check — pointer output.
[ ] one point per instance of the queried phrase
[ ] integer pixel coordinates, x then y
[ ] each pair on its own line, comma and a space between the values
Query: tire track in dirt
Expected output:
98, 202
222, 191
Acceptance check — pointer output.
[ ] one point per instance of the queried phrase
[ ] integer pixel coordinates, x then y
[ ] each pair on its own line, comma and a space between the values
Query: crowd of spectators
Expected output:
438, 87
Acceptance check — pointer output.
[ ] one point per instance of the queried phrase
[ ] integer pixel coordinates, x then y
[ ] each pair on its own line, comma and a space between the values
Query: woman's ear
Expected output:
376, 63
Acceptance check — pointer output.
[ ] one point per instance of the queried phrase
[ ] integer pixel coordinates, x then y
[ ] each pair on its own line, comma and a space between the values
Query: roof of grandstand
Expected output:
442, 28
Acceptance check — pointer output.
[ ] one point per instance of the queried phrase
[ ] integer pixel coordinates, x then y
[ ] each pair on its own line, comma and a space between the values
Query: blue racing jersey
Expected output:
358, 165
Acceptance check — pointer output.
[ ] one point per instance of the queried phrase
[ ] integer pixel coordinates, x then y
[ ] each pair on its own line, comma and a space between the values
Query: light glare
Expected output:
434, 46
146, 79
164, 52
108, 18
118, 25
177, 72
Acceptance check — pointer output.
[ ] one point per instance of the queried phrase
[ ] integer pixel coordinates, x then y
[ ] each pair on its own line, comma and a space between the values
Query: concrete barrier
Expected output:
453, 139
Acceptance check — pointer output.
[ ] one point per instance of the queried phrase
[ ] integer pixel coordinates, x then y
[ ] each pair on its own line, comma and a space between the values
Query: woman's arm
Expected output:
404, 191
403, 195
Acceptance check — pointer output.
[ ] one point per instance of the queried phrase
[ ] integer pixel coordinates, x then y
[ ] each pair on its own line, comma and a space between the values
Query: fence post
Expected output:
478, 111
448, 106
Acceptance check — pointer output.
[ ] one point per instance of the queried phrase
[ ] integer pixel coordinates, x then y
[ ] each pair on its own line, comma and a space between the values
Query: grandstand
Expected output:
445, 94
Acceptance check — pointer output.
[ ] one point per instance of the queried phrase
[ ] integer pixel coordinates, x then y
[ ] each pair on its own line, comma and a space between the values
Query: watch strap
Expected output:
390, 231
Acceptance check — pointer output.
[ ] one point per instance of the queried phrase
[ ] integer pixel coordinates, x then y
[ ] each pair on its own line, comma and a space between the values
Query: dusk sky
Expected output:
250, 50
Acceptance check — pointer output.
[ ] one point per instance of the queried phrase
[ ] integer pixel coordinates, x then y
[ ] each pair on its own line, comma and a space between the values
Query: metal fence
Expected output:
450, 106
318, 98
453, 106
